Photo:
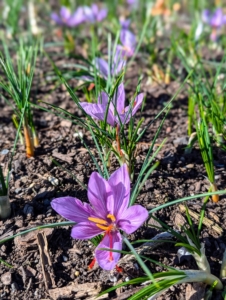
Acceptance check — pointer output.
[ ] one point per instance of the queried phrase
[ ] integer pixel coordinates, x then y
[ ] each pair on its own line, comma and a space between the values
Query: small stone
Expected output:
65, 123
190, 166
127, 279
54, 181
65, 258
18, 190
181, 141
112, 278
6, 278
14, 287
77, 273
78, 135
4, 152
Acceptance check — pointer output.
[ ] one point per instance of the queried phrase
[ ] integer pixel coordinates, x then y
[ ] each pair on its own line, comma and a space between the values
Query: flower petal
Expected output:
56, 18
119, 99
106, 259
72, 209
102, 66
100, 195
77, 17
102, 14
85, 230
129, 111
132, 218
206, 16
120, 184
128, 39
65, 13
217, 19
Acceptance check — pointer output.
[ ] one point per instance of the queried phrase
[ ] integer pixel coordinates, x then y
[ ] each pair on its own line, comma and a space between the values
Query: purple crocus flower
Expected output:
125, 23
94, 14
128, 41
116, 68
116, 111
215, 20
66, 18
107, 214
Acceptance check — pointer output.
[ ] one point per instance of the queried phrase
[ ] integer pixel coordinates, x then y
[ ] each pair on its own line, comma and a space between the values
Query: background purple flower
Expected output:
107, 214
94, 14
216, 19
115, 112
128, 40
66, 18
116, 68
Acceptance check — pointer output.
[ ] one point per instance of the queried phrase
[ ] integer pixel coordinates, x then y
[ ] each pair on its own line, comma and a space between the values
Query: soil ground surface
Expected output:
49, 264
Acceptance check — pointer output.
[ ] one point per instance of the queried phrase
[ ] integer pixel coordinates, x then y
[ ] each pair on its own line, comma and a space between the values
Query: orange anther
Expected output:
97, 220
110, 216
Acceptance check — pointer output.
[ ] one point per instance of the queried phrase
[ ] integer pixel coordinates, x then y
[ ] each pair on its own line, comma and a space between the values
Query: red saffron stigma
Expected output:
111, 246
119, 269
91, 265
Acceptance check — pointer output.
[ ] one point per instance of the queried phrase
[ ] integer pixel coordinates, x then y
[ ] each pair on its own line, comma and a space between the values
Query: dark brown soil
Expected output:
36, 181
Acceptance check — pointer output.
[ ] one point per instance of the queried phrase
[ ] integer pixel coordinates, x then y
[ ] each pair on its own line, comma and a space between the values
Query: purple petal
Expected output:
56, 18
86, 230
118, 63
103, 98
72, 209
125, 23
120, 183
65, 13
106, 259
128, 39
88, 14
132, 218
129, 111
77, 17
119, 99
217, 19
206, 16
100, 195
102, 67
98, 111
102, 14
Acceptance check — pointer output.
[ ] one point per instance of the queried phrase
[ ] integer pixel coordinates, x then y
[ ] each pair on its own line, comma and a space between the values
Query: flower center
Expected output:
108, 227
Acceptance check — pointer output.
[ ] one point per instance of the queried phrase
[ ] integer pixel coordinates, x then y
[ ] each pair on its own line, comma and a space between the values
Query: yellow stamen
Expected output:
102, 227
111, 217
97, 220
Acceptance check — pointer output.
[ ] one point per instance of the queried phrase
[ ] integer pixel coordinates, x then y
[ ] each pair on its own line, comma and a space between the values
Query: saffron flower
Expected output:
66, 18
215, 20
128, 40
115, 111
106, 215
105, 69
94, 14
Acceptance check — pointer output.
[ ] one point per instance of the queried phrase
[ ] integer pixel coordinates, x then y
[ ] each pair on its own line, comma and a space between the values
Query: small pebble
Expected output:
127, 279
190, 166
54, 181
14, 287
4, 152
6, 278
77, 273
65, 258
112, 278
